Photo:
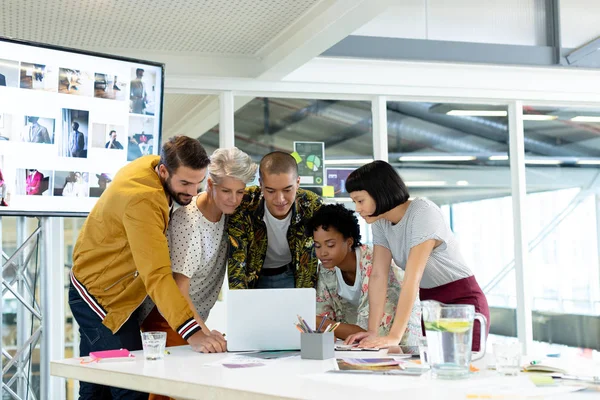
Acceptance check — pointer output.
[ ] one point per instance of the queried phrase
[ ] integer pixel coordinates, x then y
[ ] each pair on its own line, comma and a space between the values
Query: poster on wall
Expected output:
310, 157
336, 178
69, 120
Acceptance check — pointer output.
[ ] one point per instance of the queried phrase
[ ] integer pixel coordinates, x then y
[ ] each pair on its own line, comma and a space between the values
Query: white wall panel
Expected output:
579, 21
406, 21
520, 22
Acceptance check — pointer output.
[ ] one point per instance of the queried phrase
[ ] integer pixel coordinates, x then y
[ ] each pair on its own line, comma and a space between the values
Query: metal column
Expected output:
3, 258
52, 275
23, 320
519, 193
17, 279
226, 128
597, 198
380, 125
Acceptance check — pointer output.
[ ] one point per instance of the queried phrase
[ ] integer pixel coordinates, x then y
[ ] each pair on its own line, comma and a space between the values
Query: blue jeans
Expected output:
282, 281
96, 337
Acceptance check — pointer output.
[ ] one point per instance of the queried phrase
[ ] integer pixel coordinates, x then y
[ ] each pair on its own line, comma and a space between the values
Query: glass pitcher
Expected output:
449, 329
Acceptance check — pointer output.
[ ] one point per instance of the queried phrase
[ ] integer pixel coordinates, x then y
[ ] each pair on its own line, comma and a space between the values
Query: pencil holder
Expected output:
317, 346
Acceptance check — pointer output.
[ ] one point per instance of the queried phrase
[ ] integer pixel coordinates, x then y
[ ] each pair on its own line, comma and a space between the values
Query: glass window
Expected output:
72, 226
340, 129
194, 115
562, 157
456, 155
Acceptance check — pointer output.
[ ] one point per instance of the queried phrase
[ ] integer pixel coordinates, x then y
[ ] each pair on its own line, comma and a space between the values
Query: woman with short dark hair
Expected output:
415, 234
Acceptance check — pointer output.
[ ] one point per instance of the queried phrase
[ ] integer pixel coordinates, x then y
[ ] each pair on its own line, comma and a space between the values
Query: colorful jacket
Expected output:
340, 309
122, 255
248, 240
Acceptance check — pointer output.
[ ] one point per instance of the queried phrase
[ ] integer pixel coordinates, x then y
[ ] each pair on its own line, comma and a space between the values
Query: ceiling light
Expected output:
538, 117
588, 162
425, 183
462, 183
437, 158
498, 158
542, 161
586, 118
478, 113
357, 161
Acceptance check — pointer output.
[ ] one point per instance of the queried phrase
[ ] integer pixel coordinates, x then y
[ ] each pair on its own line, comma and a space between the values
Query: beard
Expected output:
177, 197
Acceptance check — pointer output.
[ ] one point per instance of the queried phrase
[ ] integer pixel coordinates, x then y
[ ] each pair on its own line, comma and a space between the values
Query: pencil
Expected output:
322, 322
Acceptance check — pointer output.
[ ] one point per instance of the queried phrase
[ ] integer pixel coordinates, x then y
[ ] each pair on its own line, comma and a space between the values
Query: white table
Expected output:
184, 375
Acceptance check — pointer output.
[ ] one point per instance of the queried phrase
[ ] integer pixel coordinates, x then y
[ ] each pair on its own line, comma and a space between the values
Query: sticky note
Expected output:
297, 157
541, 380
328, 191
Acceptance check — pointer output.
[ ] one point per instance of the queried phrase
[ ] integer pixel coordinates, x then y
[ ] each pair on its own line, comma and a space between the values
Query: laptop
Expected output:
263, 319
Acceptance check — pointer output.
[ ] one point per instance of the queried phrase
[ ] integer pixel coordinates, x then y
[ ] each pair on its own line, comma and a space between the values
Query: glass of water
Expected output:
154, 345
508, 357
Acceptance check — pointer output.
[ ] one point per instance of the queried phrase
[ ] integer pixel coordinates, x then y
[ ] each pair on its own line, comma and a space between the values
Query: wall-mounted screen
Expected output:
69, 120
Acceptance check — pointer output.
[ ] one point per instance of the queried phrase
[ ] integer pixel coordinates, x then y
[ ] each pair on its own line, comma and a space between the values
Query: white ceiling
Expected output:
233, 27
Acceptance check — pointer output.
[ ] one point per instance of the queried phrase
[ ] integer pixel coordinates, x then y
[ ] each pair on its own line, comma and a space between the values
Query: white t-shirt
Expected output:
198, 249
350, 293
278, 248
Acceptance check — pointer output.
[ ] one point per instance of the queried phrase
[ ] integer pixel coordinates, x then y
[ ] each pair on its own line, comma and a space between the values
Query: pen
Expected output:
590, 379
322, 321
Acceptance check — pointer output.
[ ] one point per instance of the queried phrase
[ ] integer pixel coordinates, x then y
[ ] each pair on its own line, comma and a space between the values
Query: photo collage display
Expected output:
68, 123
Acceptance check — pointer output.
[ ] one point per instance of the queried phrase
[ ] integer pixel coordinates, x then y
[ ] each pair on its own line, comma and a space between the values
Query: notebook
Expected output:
545, 365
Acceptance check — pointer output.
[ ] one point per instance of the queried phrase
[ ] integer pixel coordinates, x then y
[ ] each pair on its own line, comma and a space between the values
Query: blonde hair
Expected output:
231, 162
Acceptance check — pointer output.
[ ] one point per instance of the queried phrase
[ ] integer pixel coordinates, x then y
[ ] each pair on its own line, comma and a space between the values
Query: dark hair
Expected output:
338, 217
138, 70
383, 184
183, 151
76, 124
110, 133
278, 162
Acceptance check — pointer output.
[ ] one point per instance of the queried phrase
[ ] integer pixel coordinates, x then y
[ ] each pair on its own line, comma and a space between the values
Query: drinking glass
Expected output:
154, 345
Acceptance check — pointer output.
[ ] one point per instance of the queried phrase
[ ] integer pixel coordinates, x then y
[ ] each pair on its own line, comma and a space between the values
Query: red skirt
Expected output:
462, 291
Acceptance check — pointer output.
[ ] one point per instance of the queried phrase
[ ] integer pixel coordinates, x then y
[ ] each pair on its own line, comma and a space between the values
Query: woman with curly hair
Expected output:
343, 283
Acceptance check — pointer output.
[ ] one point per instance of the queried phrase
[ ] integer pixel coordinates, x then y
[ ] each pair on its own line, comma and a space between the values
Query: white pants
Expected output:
3, 186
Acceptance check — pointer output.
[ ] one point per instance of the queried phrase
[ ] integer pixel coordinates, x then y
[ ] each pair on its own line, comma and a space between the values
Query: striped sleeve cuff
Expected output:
188, 328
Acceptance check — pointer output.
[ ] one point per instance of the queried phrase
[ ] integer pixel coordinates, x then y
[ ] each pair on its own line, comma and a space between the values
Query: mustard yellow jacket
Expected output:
122, 254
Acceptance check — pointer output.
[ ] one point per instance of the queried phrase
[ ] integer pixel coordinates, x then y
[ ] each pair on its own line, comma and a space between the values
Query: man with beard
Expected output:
121, 257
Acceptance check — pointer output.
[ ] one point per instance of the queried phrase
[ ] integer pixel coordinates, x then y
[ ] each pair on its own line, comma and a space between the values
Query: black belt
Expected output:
274, 271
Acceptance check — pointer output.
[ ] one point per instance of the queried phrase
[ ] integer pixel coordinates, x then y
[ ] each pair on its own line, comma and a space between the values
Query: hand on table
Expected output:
358, 337
379, 342
214, 342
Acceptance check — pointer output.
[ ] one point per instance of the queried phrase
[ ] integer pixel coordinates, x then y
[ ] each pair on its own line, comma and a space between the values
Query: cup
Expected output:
508, 357
154, 345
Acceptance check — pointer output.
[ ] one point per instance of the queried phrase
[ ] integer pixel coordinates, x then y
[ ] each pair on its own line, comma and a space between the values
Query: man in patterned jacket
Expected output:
268, 247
